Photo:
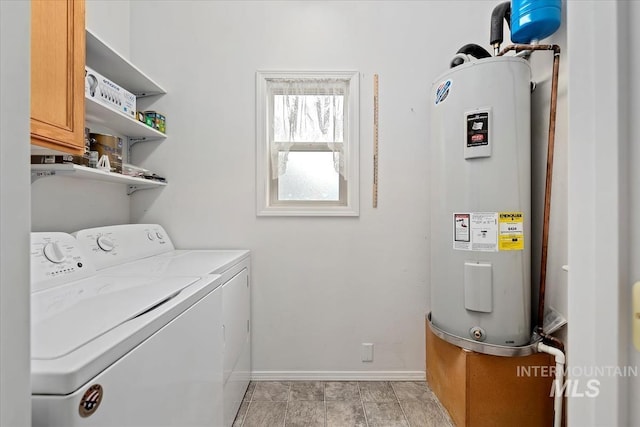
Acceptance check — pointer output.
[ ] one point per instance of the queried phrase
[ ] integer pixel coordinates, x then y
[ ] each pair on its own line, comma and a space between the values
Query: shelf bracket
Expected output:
149, 93
132, 188
133, 141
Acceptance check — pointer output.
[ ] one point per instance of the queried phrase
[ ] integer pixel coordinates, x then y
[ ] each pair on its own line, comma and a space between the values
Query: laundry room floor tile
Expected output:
271, 391
376, 391
305, 414
425, 414
349, 413
341, 404
412, 390
307, 390
384, 414
341, 390
265, 414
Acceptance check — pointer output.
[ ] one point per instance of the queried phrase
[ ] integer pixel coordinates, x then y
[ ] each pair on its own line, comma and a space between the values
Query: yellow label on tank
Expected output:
511, 231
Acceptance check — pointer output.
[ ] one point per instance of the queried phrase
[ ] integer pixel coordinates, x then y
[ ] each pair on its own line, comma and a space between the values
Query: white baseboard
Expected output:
338, 375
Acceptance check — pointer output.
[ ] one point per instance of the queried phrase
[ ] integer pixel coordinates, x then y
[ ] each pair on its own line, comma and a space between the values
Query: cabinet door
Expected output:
57, 74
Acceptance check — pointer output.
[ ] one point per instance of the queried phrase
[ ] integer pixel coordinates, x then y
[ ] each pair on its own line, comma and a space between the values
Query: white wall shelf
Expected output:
76, 171
133, 129
106, 61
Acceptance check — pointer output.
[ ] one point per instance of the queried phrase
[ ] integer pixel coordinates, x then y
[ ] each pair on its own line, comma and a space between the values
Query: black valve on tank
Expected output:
500, 13
466, 51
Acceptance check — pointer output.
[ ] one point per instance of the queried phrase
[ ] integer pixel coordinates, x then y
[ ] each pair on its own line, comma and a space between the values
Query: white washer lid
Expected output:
66, 374
68, 317
181, 262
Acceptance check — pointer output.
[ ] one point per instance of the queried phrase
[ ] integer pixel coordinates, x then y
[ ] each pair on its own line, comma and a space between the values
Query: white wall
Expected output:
598, 196
322, 286
68, 204
15, 391
109, 20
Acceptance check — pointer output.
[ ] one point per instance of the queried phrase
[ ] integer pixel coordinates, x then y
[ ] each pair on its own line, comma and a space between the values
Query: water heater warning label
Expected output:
476, 134
462, 230
477, 129
475, 231
511, 231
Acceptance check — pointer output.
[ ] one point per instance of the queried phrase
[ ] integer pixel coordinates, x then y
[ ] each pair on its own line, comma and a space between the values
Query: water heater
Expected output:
481, 201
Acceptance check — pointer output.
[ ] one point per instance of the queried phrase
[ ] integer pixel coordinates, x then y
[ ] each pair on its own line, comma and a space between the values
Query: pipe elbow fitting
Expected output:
557, 353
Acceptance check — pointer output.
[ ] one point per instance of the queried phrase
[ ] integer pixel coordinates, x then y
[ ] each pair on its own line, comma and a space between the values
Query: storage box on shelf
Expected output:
113, 67
108, 93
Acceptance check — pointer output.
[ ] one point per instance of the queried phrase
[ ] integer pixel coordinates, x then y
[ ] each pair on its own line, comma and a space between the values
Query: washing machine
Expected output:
117, 350
150, 252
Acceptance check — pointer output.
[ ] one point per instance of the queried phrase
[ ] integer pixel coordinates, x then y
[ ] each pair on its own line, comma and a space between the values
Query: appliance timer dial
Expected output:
105, 243
53, 252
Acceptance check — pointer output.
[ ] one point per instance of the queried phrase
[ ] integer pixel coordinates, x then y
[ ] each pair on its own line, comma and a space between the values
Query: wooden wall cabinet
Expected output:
57, 75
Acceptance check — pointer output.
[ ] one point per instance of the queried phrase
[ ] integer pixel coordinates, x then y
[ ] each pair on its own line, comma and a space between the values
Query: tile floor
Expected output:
341, 404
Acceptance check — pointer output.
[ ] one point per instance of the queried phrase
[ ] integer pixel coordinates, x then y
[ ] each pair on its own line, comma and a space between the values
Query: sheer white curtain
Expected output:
309, 113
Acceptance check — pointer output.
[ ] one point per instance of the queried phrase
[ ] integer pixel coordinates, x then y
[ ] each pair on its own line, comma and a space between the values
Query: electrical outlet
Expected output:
367, 352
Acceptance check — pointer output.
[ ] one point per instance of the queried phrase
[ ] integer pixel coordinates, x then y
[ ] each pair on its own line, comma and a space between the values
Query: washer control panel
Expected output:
117, 244
56, 258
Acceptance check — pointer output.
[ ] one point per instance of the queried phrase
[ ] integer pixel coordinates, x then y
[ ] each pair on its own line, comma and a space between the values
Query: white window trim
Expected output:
263, 181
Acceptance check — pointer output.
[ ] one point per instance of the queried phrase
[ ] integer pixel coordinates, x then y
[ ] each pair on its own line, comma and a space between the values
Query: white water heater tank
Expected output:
481, 201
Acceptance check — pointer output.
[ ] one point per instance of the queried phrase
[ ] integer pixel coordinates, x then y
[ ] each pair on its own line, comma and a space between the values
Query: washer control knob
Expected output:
160, 236
150, 236
53, 252
105, 243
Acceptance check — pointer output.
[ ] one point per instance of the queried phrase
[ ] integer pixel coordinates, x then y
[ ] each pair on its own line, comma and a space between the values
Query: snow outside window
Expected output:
307, 143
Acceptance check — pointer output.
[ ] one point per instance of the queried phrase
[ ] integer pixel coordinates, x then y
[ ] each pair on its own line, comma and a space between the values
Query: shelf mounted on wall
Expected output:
76, 171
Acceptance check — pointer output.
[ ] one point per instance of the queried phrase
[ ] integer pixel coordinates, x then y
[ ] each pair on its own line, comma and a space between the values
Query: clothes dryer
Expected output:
150, 252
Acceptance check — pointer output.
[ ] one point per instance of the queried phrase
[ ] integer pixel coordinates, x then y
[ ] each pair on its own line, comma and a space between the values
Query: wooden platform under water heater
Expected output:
481, 390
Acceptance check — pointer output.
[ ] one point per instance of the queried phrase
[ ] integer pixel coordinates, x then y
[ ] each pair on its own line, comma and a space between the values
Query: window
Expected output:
307, 143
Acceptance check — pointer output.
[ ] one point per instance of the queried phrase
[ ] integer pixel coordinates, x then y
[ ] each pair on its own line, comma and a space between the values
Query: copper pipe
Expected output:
550, 149
524, 47
551, 341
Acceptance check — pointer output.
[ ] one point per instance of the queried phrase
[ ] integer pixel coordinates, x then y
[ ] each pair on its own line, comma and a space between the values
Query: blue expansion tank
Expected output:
534, 19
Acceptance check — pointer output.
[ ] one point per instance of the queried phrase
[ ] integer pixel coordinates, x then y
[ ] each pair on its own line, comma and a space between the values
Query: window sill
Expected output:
308, 211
